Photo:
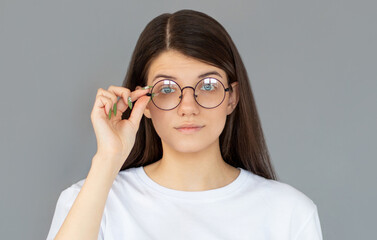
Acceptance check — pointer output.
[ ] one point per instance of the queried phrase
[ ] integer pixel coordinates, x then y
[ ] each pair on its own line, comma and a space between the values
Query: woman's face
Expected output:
186, 70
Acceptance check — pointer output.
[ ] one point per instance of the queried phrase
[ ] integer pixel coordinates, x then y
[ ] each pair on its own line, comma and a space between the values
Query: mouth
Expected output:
188, 130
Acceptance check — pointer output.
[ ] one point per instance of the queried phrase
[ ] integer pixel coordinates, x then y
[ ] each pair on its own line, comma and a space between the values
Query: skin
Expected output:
190, 162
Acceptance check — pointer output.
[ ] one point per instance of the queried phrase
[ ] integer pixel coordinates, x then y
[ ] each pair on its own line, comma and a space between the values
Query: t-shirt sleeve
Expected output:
64, 204
310, 228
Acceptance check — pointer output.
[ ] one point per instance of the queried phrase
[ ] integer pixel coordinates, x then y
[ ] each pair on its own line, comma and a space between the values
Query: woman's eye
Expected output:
208, 87
167, 90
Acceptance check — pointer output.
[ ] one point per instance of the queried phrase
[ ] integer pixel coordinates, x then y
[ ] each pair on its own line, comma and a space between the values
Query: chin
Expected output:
190, 146
187, 147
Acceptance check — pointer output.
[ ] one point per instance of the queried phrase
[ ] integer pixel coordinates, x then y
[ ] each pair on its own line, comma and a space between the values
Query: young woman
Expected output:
180, 149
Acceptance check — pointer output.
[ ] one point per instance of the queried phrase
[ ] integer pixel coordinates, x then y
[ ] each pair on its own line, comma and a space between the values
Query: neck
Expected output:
193, 171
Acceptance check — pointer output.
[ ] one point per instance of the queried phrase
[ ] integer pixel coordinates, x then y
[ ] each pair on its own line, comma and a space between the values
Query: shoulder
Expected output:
68, 195
280, 195
287, 205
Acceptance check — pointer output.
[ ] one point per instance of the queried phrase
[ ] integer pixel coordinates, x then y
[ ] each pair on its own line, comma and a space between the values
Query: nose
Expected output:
188, 104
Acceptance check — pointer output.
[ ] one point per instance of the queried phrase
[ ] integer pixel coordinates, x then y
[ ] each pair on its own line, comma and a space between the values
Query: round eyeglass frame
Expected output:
195, 96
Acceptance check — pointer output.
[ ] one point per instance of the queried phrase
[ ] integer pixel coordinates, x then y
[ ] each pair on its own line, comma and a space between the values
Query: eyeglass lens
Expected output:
209, 93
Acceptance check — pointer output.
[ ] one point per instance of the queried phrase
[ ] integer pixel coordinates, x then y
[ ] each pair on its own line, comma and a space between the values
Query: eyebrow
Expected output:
200, 76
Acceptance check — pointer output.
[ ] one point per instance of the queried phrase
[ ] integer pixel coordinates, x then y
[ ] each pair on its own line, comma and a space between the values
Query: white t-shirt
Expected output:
250, 207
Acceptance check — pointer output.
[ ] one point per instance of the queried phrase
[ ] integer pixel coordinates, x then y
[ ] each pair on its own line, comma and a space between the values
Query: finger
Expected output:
103, 92
121, 107
125, 93
116, 109
102, 105
138, 110
119, 92
109, 95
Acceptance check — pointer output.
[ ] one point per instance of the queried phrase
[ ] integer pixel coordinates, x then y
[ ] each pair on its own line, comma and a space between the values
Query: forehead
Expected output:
181, 67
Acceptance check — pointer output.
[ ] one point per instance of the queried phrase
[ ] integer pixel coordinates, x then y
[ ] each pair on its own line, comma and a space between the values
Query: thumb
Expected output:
138, 110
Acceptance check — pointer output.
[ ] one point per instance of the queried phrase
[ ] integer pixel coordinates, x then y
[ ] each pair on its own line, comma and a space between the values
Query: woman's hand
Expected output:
116, 137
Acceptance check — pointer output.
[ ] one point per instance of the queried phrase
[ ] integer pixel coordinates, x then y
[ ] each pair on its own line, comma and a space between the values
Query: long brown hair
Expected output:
198, 35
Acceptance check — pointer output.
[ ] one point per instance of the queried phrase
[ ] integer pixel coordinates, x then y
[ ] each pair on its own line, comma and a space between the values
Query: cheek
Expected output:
161, 121
216, 123
217, 119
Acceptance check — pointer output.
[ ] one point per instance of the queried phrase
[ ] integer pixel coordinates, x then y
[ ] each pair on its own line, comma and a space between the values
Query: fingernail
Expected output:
129, 103
115, 109
147, 87
110, 114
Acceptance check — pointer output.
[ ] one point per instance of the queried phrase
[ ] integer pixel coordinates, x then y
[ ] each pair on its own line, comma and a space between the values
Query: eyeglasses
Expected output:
208, 93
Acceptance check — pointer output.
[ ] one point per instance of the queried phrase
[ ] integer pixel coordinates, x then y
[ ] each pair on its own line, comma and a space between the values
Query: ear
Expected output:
233, 98
147, 112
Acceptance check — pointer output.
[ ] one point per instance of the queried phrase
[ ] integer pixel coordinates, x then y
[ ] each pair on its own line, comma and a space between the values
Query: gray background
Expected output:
312, 69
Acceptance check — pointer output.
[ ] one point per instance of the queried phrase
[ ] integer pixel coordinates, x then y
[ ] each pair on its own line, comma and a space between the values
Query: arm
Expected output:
115, 139
311, 228
84, 218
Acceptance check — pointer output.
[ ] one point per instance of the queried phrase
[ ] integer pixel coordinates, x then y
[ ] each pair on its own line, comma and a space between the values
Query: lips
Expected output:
189, 126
